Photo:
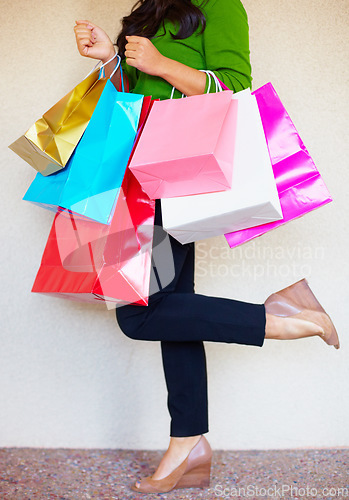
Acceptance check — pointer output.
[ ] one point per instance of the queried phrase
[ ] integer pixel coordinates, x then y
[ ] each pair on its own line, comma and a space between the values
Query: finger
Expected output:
131, 55
84, 48
88, 43
94, 36
83, 36
82, 31
84, 22
132, 46
134, 38
85, 42
88, 24
131, 62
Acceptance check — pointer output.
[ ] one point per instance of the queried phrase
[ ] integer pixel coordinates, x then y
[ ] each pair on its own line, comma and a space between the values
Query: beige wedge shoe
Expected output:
298, 301
193, 472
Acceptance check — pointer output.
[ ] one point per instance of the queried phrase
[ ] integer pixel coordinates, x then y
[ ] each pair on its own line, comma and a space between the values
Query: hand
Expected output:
93, 42
142, 54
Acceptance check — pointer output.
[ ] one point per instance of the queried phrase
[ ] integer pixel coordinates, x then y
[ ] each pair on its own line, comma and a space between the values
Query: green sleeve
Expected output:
131, 74
226, 44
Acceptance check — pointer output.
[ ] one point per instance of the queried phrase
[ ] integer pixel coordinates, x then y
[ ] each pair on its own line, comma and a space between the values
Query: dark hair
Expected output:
147, 16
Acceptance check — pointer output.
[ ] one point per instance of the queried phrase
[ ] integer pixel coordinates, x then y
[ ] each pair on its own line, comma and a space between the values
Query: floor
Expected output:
65, 474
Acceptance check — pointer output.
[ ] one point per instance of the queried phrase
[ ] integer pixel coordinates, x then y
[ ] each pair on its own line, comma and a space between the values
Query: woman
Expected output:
164, 44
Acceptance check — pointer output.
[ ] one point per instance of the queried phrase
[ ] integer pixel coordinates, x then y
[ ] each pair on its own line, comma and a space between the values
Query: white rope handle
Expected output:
102, 66
173, 89
117, 66
210, 74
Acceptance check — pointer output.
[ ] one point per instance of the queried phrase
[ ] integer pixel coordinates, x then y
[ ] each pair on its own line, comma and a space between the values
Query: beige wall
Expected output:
68, 376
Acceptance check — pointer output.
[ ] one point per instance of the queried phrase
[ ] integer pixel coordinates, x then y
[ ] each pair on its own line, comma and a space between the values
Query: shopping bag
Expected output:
50, 142
300, 186
90, 184
187, 146
88, 261
252, 199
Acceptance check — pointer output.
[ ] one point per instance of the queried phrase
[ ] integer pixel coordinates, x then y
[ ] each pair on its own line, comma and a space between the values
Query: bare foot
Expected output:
287, 328
176, 453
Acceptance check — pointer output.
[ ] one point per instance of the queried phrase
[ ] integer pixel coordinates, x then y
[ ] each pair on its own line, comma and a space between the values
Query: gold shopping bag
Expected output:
49, 143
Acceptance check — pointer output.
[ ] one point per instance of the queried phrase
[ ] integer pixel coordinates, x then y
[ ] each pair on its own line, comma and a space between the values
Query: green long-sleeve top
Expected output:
222, 48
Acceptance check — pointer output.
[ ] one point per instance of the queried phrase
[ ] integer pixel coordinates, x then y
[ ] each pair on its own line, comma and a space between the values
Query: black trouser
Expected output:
182, 320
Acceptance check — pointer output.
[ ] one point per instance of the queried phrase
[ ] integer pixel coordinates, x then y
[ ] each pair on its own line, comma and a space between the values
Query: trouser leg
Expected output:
177, 316
181, 317
184, 363
185, 370
186, 380
181, 320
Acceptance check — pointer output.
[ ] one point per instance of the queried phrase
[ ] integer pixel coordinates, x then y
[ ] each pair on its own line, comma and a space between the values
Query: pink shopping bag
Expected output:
187, 146
300, 186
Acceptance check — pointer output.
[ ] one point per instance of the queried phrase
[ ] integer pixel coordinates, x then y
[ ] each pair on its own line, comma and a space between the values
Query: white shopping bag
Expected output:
253, 199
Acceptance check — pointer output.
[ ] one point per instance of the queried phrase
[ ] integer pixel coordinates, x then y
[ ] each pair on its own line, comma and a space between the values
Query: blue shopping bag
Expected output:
90, 183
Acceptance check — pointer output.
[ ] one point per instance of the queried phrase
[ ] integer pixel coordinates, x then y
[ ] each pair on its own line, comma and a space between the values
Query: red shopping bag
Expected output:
88, 261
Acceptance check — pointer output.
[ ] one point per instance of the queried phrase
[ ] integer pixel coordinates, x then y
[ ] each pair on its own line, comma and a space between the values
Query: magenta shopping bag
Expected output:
299, 183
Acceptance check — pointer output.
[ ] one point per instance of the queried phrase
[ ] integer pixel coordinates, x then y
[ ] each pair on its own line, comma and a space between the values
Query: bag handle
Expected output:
211, 75
218, 83
102, 72
121, 74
